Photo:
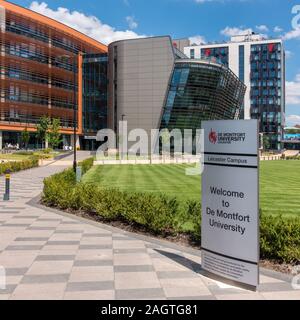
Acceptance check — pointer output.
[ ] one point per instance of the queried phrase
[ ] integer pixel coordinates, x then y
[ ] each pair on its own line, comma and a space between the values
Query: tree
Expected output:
25, 136
266, 142
43, 129
54, 135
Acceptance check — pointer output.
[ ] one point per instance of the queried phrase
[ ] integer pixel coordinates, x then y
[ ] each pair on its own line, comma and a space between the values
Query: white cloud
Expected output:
230, 32
89, 25
131, 22
293, 34
197, 40
278, 29
293, 91
288, 54
293, 119
238, 31
262, 28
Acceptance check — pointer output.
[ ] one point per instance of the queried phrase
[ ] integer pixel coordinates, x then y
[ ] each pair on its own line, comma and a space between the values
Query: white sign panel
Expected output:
230, 214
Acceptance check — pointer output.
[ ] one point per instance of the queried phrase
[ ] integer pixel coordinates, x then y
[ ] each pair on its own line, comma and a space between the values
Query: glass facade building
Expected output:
200, 90
41, 67
95, 82
267, 89
260, 65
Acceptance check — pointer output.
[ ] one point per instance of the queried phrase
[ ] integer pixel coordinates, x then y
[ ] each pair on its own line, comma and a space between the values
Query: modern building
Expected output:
154, 85
201, 90
49, 69
260, 64
291, 138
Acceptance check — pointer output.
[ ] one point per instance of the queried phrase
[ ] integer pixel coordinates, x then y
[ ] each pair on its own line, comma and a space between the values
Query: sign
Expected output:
230, 203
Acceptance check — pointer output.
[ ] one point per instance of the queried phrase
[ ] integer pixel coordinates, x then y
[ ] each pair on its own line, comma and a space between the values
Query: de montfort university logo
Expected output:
213, 136
226, 137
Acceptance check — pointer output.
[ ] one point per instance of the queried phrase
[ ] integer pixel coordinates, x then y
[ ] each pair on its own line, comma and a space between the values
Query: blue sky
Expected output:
209, 20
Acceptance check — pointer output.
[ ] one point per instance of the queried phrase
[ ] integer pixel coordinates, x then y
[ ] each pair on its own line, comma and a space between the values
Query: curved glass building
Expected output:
201, 90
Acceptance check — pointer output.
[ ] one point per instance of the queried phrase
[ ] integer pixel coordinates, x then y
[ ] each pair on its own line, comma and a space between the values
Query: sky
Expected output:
200, 20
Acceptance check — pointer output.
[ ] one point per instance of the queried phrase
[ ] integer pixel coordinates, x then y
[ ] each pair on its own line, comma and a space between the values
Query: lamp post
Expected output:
74, 109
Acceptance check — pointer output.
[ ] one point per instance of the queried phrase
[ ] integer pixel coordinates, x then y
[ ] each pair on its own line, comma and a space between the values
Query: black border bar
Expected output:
229, 257
229, 165
232, 154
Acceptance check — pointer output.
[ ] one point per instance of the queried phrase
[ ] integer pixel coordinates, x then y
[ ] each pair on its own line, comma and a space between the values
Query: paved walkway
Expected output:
52, 255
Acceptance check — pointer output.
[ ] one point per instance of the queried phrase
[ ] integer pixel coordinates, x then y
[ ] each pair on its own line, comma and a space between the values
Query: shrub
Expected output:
15, 166
24, 153
47, 151
86, 165
279, 236
59, 188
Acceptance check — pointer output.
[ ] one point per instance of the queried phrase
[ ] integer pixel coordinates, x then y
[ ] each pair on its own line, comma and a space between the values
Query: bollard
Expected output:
7, 186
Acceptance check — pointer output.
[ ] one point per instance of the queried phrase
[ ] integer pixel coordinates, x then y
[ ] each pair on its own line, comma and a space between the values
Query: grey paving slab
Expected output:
92, 263
97, 235
133, 294
139, 250
15, 271
68, 231
176, 274
94, 246
21, 239
146, 268
8, 290
52, 278
62, 243
90, 286
22, 248
55, 258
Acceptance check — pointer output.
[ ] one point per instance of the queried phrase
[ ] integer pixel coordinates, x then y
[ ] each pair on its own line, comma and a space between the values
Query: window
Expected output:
192, 53
242, 63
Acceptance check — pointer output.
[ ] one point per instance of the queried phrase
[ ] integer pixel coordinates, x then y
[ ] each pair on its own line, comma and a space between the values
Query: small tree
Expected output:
43, 129
266, 143
25, 136
54, 135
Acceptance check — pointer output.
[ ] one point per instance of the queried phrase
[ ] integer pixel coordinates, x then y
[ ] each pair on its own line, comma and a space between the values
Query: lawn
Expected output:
279, 182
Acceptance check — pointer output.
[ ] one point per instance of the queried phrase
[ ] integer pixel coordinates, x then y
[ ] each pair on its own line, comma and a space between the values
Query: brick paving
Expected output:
52, 255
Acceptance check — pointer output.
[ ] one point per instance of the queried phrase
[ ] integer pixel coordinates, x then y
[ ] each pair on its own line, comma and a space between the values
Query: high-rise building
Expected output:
260, 64
44, 71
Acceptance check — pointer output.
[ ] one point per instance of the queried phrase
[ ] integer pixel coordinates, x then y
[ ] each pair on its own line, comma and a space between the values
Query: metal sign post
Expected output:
230, 202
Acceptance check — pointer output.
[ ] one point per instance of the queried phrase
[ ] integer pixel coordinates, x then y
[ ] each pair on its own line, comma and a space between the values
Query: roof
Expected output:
52, 23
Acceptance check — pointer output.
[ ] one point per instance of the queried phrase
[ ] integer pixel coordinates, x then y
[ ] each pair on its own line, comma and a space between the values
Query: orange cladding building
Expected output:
41, 67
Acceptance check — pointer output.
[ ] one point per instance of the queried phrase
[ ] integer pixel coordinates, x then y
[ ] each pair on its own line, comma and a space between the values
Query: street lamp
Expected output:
74, 109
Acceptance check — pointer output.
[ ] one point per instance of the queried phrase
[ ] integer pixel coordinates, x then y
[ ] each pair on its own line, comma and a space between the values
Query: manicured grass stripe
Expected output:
279, 182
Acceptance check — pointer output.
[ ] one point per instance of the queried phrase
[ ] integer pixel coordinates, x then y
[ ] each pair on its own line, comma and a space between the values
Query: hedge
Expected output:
15, 166
280, 236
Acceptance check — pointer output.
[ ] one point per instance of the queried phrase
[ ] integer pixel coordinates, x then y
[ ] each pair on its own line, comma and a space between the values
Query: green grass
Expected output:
279, 183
